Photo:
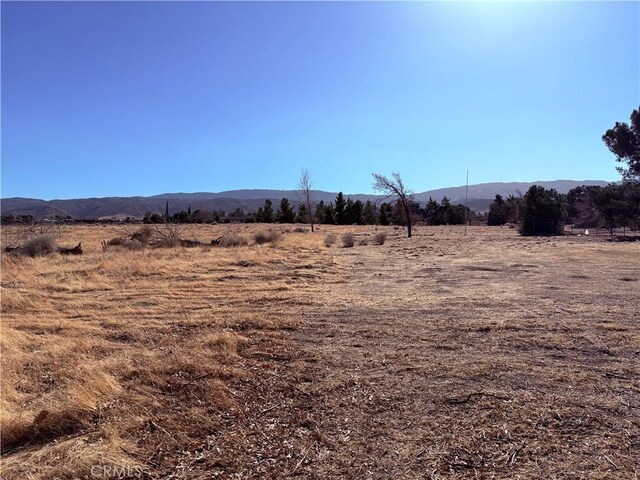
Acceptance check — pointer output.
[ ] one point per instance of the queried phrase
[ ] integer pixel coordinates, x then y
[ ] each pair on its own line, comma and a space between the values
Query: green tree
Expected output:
369, 213
623, 140
385, 213
285, 212
497, 214
455, 215
340, 209
542, 212
302, 215
353, 212
617, 204
433, 212
265, 213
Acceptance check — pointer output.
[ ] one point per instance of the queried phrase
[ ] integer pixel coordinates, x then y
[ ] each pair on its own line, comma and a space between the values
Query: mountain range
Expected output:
479, 199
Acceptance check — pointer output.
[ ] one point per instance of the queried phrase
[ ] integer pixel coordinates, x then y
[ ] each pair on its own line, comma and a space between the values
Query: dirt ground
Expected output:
439, 356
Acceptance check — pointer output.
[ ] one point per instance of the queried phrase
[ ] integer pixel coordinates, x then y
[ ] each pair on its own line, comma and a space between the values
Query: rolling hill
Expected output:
480, 196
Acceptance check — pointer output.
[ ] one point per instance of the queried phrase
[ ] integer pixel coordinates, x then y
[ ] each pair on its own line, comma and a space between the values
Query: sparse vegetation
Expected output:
348, 239
233, 240
197, 340
329, 239
267, 236
38, 246
379, 238
128, 243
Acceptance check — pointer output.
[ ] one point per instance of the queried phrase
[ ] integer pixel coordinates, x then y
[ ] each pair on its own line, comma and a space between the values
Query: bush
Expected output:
38, 246
363, 242
233, 240
379, 238
144, 235
267, 236
348, 240
329, 239
126, 243
300, 230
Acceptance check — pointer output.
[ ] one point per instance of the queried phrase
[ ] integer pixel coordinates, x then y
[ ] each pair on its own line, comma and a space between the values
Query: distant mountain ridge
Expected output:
479, 198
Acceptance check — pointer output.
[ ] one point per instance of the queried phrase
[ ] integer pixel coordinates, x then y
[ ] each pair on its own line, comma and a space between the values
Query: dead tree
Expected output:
394, 186
304, 184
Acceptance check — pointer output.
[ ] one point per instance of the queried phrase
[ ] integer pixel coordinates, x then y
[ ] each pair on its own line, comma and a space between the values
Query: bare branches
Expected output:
305, 183
395, 186
391, 186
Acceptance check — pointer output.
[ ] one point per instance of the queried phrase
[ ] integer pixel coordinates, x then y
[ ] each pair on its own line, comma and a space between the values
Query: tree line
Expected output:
342, 211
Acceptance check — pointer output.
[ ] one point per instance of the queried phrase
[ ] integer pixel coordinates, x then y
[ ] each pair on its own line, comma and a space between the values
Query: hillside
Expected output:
480, 196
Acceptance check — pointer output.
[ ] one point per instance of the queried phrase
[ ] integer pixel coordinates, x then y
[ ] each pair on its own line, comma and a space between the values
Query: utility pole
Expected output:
466, 208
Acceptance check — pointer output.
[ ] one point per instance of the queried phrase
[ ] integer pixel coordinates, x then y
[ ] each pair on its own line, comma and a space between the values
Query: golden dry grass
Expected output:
487, 356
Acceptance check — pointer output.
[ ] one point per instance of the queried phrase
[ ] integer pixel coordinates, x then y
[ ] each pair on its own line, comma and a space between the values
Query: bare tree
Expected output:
394, 186
304, 184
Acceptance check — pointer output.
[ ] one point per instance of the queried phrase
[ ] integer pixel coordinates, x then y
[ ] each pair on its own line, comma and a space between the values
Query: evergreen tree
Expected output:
542, 212
369, 213
329, 214
302, 216
433, 212
340, 209
353, 212
265, 214
319, 212
455, 215
285, 212
497, 212
385, 213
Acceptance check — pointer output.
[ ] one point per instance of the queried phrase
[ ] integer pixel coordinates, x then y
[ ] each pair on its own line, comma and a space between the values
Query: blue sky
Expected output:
119, 98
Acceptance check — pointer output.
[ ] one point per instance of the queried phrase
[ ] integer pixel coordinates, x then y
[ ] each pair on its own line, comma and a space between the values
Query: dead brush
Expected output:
379, 238
232, 240
348, 240
267, 236
125, 243
329, 239
37, 246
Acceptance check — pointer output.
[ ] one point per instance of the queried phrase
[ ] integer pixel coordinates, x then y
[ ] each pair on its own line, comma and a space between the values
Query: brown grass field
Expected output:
440, 356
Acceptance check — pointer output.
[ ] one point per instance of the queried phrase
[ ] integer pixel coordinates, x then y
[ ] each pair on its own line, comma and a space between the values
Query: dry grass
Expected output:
488, 356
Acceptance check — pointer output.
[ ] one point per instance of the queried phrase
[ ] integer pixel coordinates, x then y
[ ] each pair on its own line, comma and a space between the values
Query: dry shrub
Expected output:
38, 246
267, 236
233, 240
348, 240
379, 238
143, 235
363, 241
329, 239
127, 243
300, 230
166, 242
